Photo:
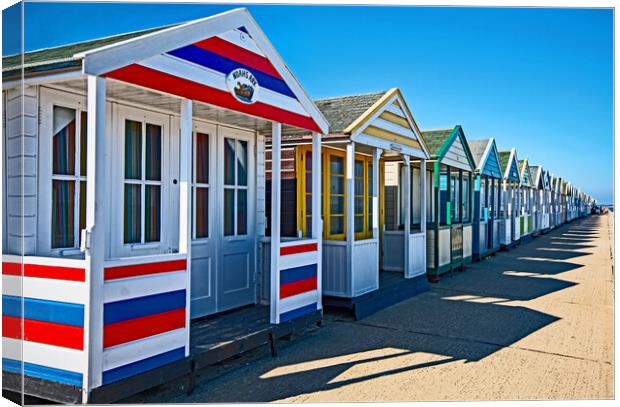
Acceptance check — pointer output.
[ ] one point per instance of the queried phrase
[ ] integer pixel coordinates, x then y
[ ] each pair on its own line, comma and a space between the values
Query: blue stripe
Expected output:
298, 312
218, 63
143, 365
43, 310
242, 28
42, 372
297, 273
140, 307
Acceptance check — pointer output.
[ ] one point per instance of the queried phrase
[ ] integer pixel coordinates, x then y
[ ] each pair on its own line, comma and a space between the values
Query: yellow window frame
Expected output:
302, 210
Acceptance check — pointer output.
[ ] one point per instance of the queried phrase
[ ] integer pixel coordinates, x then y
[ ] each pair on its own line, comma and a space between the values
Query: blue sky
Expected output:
540, 80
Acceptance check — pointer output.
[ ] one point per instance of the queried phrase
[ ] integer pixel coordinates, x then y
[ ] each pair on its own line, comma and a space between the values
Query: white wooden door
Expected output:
204, 223
236, 212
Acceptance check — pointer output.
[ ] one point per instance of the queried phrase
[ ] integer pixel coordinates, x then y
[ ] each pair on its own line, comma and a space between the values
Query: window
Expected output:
335, 198
454, 197
68, 177
465, 185
200, 186
235, 187
142, 184
304, 189
483, 196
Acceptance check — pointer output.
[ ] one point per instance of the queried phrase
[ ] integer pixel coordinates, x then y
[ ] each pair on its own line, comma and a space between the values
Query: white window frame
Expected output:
49, 98
165, 244
211, 131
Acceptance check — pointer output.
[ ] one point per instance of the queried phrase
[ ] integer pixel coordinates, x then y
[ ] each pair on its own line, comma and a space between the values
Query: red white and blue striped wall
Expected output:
43, 318
299, 290
144, 315
198, 71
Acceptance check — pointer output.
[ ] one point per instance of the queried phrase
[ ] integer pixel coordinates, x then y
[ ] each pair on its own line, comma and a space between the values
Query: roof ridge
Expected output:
352, 95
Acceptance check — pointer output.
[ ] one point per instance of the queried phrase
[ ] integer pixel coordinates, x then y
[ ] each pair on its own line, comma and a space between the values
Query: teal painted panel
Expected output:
491, 166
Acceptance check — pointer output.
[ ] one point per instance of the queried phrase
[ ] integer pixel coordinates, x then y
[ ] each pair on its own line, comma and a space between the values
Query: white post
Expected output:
317, 224
423, 207
376, 157
93, 240
350, 212
185, 171
276, 155
407, 220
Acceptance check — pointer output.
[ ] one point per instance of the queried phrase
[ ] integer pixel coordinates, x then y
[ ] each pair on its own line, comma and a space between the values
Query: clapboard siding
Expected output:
456, 156
492, 167
20, 168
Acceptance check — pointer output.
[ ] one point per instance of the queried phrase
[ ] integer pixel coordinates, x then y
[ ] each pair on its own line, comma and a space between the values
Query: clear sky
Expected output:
539, 80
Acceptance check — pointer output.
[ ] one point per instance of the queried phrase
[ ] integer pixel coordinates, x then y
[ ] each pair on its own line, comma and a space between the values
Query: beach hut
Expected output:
134, 204
537, 198
510, 227
487, 193
555, 201
525, 197
374, 228
450, 232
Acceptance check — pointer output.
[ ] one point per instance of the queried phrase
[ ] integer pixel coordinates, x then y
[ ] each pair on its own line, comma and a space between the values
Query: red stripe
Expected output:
66, 336
133, 329
238, 54
297, 287
43, 271
133, 270
301, 248
151, 78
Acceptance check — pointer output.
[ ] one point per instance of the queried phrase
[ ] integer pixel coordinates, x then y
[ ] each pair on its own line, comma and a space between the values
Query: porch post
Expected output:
185, 226
93, 238
317, 223
423, 197
376, 157
350, 211
276, 150
407, 220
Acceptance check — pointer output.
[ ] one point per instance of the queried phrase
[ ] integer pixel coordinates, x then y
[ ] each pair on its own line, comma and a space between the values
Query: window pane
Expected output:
336, 225
63, 211
153, 152
229, 161
83, 143
133, 149
132, 214
336, 184
336, 164
202, 158
359, 205
202, 212
152, 213
229, 212
242, 212
336, 206
359, 168
242, 163
370, 213
359, 223
63, 161
82, 215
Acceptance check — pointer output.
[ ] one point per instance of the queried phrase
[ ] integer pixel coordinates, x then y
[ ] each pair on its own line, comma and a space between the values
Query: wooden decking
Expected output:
393, 288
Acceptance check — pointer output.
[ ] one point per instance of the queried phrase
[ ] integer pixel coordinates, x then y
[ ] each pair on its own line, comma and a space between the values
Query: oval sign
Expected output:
242, 85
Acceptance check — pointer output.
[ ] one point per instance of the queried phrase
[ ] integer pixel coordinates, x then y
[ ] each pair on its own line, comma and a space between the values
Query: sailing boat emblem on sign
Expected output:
242, 84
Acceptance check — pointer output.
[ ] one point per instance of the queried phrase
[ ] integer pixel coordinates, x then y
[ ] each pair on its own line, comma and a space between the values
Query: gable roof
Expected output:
196, 60
524, 172
536, 176
340, 112
485, 155
510, 167
440, 141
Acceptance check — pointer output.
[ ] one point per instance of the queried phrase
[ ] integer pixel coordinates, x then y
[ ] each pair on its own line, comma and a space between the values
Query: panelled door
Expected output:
204, 226
235, 212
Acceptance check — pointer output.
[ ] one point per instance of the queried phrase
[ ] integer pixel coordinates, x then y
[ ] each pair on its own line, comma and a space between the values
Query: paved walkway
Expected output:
533, 323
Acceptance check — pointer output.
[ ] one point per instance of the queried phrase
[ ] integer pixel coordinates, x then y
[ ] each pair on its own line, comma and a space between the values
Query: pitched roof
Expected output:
435, 139
504, 157
50, 57
342, 111
477, 148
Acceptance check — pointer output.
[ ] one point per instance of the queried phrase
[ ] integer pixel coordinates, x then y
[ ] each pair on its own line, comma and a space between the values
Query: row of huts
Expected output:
173, 197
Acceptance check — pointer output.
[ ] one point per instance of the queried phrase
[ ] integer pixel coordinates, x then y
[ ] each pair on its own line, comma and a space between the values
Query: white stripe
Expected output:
394, 128
42, 354
205, 76
45, 289
296, 242
116, 290
241, 39
55, 261
143, 260
298, 301
395, 110
298, 260
141, 349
